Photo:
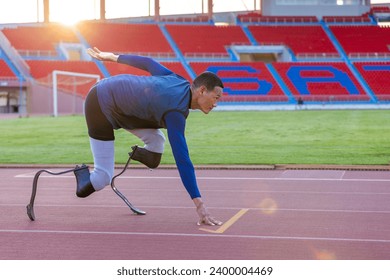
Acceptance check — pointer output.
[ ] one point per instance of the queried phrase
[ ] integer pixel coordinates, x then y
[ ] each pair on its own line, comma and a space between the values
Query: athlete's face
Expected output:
208, 99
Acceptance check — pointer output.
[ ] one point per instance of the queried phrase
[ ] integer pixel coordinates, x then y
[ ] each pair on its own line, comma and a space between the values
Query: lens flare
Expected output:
268, 206
323, 254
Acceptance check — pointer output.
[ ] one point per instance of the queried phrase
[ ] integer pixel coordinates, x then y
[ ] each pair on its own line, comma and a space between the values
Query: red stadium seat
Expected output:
377, 76
258, 18
126, 38
244, 82
5, 71
363, 38
41, 37
209, 39
328, 81
249, 81
42, 69
300, 39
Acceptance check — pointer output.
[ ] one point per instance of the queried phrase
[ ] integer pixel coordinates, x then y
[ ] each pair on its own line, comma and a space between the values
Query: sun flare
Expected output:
70, 12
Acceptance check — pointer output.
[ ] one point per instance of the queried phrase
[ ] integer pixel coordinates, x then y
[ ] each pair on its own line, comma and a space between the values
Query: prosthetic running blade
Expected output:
132, 208
30, 206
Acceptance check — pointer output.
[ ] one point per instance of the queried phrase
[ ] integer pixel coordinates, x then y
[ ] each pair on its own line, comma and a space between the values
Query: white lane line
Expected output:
240, 190
167, 234
29, 175
210, 207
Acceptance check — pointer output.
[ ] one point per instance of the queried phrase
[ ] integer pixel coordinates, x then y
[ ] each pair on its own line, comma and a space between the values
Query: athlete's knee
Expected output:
150, 159
160, 137
155, 141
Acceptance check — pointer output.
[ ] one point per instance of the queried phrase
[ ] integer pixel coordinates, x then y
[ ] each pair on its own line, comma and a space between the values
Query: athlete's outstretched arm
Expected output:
175, 123
140, 62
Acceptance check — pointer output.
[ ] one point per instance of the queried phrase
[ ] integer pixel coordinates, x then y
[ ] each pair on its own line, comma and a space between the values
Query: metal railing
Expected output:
317, 55
368, 55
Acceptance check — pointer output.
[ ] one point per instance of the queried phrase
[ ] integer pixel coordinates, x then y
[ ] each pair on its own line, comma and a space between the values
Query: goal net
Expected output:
67, 91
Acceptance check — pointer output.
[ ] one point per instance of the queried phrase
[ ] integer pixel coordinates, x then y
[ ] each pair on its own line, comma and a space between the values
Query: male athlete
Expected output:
142, 105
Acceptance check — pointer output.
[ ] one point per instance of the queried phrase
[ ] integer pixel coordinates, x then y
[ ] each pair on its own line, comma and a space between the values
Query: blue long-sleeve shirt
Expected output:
161, 100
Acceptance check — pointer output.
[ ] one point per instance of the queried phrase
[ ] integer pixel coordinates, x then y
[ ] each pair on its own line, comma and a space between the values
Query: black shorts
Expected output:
98, 126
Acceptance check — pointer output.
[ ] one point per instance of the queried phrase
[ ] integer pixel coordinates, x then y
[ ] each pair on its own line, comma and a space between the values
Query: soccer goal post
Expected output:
77, 84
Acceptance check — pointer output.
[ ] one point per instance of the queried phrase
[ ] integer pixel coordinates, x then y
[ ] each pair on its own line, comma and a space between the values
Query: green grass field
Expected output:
358, 137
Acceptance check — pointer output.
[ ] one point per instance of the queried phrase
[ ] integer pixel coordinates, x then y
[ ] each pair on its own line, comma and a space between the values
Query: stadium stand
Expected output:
210, 39
330, 60
379, 9
41, 71
330, 81
39, 40
358, 40
244, 82
377, 76
191, 19
5, 71
143, 39
299, 38
253, 18
43, 68
348, 19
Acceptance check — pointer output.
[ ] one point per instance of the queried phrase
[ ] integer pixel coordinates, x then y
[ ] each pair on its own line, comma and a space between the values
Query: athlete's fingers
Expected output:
206, 221
96, 50
92, 53
215, 221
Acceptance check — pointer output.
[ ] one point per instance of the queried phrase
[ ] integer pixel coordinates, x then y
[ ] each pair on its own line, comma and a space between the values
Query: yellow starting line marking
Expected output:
227, 224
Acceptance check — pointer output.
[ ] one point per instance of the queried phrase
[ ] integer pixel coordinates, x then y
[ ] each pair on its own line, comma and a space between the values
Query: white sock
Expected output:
104, 163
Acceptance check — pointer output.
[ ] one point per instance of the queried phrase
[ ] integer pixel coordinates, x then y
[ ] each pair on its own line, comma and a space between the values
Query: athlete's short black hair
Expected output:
209, 80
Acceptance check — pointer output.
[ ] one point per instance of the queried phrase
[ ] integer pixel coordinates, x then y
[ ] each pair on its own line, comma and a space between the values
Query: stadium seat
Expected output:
377, 76
209, 39
41, 70
328, 81
5, 71
299, 38
359, 39
44, 37
244, 82
144, 39
253, 17
347, 19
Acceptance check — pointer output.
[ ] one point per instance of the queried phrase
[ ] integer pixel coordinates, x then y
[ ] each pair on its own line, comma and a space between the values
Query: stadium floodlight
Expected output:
77, 79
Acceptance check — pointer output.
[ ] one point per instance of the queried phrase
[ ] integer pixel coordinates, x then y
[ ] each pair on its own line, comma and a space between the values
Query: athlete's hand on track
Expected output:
204, 216
102, 56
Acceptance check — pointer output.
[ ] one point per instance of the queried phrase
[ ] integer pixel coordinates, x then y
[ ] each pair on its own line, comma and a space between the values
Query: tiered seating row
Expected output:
5, 71
301, 39
126, 38
252, 81
348, 19
363, 39
42, 69
377, 76
254, 17
321, 81
207, 38
243, 81
308, 81
249, 82
147, 39
380, 9
39, 38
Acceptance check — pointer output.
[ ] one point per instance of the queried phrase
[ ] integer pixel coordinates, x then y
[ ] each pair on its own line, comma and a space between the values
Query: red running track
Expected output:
268, 214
